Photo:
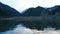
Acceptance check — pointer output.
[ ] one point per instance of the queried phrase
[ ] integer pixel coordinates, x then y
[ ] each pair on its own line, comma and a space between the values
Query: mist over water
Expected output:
20, 29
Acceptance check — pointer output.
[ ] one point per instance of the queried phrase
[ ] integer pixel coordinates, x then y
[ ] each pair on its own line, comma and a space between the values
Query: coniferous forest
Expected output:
50, 17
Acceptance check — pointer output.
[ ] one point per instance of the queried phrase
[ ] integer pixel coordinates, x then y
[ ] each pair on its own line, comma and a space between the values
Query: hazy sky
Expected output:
21, 5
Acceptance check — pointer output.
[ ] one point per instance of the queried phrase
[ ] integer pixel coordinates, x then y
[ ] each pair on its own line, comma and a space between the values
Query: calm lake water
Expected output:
21, 29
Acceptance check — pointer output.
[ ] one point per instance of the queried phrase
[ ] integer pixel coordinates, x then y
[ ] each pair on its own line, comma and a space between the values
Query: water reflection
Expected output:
20, 29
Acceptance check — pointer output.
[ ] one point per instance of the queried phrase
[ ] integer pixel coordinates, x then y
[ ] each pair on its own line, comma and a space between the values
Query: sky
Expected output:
21, 5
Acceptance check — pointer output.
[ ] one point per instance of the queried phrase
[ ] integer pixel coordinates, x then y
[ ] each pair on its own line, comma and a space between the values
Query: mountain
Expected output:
57, 10
7, 11
38, 11
54, 10
50, 17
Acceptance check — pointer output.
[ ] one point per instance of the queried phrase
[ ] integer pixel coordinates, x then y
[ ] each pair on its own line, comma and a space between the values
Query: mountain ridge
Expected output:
7, 11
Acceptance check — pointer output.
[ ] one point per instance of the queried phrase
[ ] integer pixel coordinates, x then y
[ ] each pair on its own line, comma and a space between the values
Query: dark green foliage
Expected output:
35, 11
50, 17
6, 11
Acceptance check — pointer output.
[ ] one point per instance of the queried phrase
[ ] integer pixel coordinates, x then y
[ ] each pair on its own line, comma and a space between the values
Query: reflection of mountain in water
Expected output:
50, 17
6, 11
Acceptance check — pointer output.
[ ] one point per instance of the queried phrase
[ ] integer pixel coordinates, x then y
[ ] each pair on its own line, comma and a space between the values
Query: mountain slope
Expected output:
38, 11
49, 18
6, 11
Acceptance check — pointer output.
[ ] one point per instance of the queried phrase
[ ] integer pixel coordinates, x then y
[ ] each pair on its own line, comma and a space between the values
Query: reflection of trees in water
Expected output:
47, 18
